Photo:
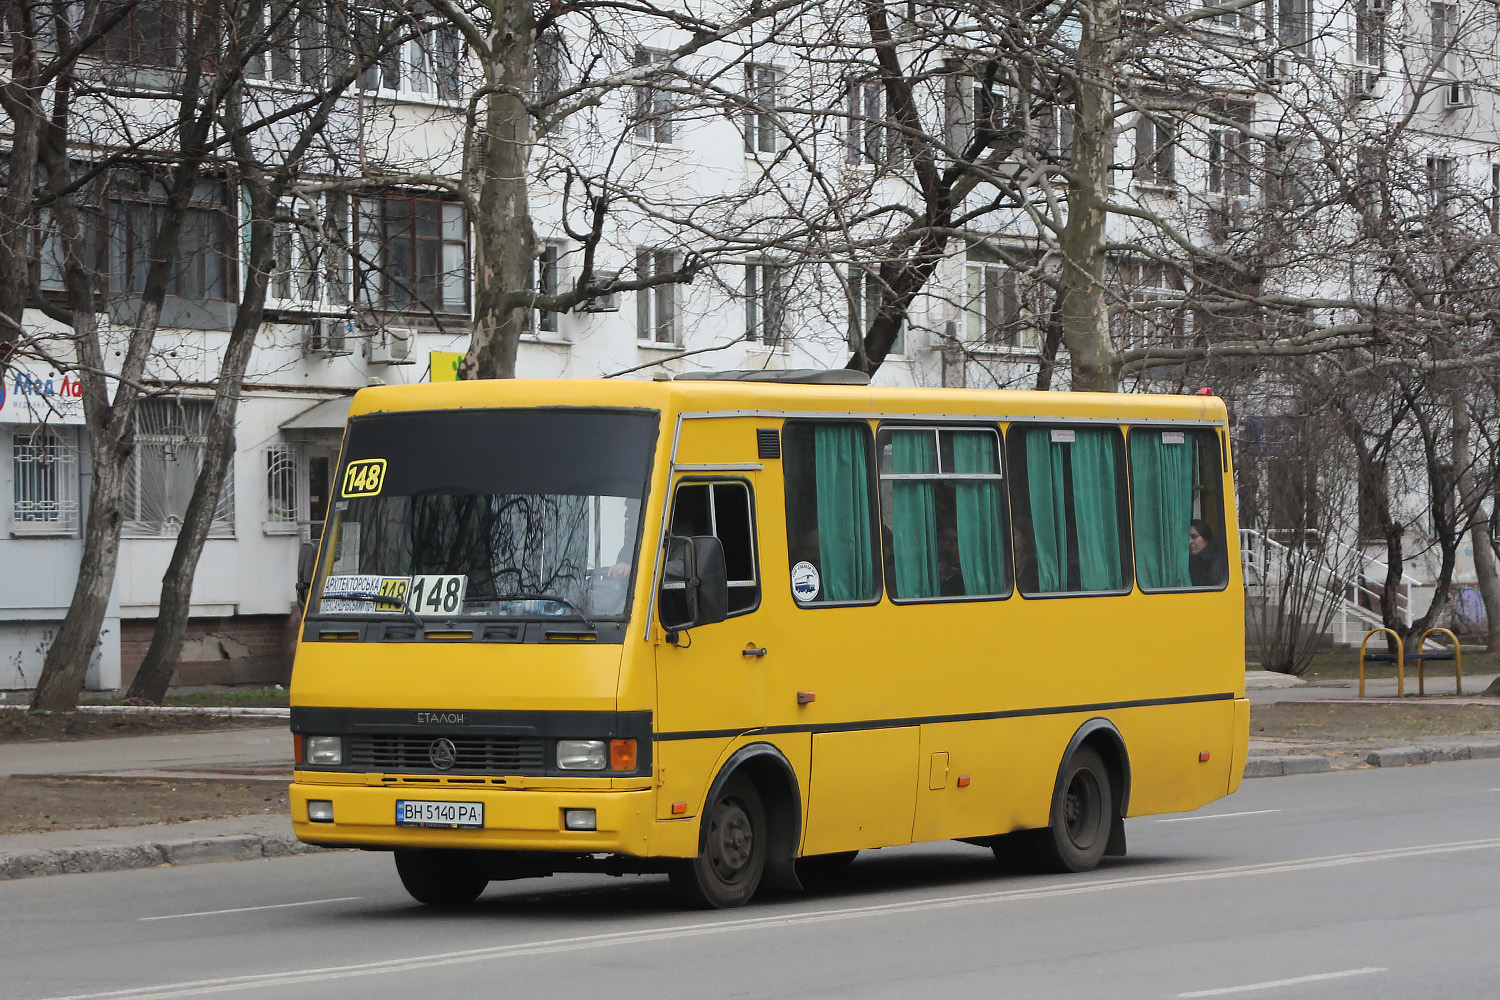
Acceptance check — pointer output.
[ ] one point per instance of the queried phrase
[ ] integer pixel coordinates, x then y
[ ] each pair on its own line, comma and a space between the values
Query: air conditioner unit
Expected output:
1458, 95
391, 346
1365, 84
328, 337
607, 302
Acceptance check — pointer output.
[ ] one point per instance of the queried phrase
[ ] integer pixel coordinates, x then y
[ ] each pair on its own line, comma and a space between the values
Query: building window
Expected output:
1293, 22
1439, 183
544, 281
44, 465
1239, 20
1155, 142
310, 253
866, 293
1152, 313
867, 141
171, 436
1444, 18
975, 108
1495, 198
1052, 133
760, 108
996, 313
281, 488
1369, 32
551, 57
295, 47
1230, 163
405, 57
413, 254
150, 35
204, 247
763, 304
653, 104
655, 307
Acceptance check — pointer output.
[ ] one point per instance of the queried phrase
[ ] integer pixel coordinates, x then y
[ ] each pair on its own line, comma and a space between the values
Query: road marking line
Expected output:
201, 987
1190, 819
1275, 983
251, 909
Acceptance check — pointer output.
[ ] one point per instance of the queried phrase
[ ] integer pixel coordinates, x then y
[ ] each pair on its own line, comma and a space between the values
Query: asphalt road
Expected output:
1356, 884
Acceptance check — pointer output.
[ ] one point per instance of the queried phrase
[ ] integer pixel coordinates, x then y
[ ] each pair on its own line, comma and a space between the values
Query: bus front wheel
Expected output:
728, 869
440, 878
1081, 814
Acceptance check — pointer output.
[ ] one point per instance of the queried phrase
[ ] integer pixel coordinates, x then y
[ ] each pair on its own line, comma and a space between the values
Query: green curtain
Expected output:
914, 543
1162, 479
1049, 523
1096, 512
841, 465
981, 514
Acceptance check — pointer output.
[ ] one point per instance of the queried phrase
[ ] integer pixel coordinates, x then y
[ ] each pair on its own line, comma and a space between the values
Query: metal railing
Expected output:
1338, 572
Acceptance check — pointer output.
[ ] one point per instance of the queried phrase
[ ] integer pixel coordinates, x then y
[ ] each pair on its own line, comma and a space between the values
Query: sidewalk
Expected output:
265, 753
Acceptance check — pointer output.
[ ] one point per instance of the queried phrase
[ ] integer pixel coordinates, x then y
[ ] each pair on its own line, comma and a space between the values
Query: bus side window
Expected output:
1068, 499
726, 511
1178, 509
830, 512
943, 516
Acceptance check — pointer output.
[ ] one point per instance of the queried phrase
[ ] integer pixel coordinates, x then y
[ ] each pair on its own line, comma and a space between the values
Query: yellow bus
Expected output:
736, 627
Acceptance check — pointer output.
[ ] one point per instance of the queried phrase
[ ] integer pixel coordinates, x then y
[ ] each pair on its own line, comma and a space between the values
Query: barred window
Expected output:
44, 465
281, 487
171, 436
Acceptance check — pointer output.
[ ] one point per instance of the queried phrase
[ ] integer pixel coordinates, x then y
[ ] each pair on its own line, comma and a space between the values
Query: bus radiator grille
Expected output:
475, 754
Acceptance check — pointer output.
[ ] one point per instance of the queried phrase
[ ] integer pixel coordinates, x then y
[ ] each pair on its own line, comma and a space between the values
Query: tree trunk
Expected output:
1479, 522
504, 245
1081, 292
155, 674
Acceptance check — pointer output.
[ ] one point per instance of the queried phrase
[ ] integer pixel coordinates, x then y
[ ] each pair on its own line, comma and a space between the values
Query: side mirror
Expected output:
307, 564
694, 582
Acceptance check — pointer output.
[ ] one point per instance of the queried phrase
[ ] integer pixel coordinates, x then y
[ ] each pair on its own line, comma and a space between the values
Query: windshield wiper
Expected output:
379, 599
558, 600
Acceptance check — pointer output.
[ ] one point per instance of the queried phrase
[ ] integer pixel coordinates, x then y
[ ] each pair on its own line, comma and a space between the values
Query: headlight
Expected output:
322, 749
581, 755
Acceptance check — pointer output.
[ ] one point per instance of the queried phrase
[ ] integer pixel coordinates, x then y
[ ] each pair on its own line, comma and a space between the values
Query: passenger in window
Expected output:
950, 564
1207, 566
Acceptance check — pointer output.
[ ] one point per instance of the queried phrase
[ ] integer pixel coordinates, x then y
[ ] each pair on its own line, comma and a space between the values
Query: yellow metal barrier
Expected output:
1458, 659
1400, 661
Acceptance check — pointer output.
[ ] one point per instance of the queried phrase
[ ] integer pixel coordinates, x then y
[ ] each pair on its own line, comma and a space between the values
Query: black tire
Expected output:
735, 838
818, 871
440, 878
1082, 810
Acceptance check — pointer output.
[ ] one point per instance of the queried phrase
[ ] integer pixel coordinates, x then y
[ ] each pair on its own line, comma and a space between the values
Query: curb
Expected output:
126, 857
1432, 753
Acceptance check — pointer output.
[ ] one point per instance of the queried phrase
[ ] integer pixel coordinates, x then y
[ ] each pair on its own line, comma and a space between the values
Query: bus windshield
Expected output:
486, 514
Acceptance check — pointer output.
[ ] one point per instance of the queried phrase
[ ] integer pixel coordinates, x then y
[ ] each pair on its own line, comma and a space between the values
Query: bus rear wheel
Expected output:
1082, 811
727, 871
440, 878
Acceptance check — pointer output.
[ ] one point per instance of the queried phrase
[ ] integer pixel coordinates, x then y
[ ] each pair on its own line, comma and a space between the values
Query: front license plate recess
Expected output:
450, 815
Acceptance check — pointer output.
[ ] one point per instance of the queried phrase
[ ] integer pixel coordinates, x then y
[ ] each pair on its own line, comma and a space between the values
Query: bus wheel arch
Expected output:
1093, 776
765, 770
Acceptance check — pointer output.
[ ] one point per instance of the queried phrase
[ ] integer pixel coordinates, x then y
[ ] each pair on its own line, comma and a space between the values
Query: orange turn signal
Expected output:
296, 749
622, 755
963, 781
1203, 757
679, 808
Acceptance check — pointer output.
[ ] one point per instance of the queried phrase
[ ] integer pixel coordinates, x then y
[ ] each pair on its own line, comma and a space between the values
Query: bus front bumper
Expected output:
522, 819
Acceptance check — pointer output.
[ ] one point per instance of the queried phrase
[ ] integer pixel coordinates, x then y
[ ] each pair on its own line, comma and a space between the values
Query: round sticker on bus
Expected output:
805, 581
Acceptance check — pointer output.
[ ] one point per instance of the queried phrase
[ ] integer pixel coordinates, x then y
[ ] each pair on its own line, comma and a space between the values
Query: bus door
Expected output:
711, 684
